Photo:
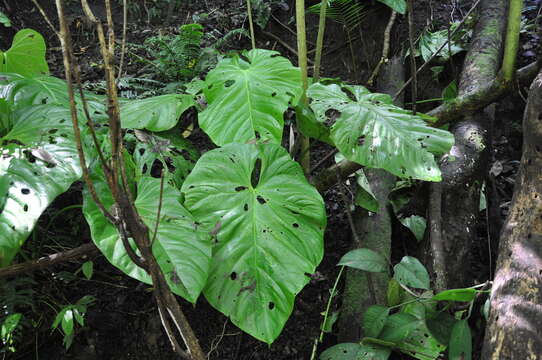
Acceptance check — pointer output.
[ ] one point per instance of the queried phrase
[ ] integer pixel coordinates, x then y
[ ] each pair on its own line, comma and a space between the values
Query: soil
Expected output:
123, 322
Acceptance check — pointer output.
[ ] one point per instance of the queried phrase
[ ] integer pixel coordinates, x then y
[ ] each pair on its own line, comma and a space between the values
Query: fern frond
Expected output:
348, 13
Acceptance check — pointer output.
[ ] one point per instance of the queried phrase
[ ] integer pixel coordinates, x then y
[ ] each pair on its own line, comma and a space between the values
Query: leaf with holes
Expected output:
182, 248
420, 344
22, 92
39, 162
373, 132
158, 113
247, 97
269, 225
397, 327
170, 150
353, 351
411, 272
26, 56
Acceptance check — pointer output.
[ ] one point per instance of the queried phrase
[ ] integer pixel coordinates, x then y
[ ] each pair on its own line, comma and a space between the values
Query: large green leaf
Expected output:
182, 248
247, 97
26, 56
39, 162
158, 113
22, 92
370, 130
269, 224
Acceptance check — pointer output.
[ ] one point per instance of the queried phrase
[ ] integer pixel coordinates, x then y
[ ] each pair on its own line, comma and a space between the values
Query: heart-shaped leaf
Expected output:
269, 224
182, 249
158, 113
26, 56
364, 259
416, 224
38, 162
411, 272
374, 319
371, 131
247, 97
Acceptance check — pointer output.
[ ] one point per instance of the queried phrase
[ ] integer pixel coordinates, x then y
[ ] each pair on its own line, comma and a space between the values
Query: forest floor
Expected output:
123, 323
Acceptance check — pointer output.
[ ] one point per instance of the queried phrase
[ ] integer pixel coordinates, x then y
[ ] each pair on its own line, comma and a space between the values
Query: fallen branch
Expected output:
483, 96
81, 252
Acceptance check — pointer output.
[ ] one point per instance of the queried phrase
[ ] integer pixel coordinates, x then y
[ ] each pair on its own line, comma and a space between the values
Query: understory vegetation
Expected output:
200, 161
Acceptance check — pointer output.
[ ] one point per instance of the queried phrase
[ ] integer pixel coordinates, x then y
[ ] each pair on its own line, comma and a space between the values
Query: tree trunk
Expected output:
515, 324
374, 232
464, 166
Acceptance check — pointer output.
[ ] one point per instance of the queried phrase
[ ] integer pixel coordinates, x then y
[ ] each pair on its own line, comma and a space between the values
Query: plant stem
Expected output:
512, 40
302, 58
320, 40
414, 91
251, 24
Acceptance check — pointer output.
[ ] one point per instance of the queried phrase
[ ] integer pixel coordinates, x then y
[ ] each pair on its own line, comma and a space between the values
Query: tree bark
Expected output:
463, 167
515, 324
375, 233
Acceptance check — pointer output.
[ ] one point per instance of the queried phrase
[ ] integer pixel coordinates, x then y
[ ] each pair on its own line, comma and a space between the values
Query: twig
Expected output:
385, 49
124, 26
436, 52
159, 207
83, 251
327, 177
45, 17
283, 43
326, 313
414, 91
324, 159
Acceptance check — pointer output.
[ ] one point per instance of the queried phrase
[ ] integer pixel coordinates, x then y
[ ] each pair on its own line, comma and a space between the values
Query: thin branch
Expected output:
83, 252
414, 91
124, 26
385, 49
459, 26
46, 18
159, 207
65, 40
